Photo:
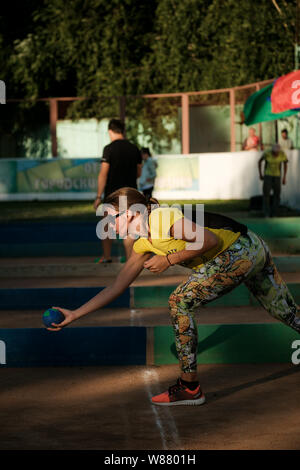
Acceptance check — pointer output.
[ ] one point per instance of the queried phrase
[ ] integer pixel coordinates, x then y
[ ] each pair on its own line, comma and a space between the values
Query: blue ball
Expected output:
52, 315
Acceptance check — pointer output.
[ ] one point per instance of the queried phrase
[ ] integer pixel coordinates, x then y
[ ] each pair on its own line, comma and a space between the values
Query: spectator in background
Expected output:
146, 182
285, 142
121, 165
253, 141
272, 178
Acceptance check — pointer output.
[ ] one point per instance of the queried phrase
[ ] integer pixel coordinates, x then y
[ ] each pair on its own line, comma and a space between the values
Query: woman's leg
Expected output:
267, 185
273, 294
276, 195
216, 278
148, 192
185, 329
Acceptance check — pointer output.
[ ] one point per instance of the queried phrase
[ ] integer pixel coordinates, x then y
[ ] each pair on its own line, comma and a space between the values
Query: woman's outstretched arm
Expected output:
126, 276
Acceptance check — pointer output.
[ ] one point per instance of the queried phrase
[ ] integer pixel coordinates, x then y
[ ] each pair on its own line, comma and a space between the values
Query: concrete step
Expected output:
32, 232
268, 342
140, 317
18, 268
70, 293
285, 245
146, 278
79, 238
85, 267
134, 297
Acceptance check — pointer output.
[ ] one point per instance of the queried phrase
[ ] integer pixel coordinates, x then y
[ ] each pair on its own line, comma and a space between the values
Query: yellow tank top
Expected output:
160, 222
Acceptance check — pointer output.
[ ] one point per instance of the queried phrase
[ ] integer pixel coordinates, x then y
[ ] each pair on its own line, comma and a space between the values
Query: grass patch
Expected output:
216, 205
46, 210
84, 210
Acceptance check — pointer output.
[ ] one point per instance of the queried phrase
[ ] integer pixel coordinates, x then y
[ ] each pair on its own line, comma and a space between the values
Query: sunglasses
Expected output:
112, 218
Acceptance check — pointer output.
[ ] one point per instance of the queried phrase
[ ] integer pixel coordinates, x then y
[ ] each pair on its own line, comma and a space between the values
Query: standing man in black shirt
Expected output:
121, 165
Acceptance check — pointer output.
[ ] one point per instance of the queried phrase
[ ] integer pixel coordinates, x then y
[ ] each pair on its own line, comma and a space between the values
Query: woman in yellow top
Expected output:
222, 257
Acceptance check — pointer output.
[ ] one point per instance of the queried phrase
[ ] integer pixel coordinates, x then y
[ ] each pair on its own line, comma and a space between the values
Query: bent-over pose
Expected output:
228, 255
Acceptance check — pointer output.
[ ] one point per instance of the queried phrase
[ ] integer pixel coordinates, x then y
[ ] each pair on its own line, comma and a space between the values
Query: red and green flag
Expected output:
261, 105
286, 92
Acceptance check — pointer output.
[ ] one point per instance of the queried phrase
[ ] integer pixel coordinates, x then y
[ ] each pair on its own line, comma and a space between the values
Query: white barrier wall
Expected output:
221, 176
197, 176
291, 191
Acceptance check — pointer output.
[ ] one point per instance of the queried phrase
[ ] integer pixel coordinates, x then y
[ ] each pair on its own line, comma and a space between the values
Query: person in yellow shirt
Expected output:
220, 253
272, 178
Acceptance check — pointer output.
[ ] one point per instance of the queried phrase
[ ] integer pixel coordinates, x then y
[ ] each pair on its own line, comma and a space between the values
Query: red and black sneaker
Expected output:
102, 260
179, 394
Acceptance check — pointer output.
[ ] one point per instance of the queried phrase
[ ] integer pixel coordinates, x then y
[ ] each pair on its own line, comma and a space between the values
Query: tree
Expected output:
89, 48
176, 60
248, 42
128, 47
104, 50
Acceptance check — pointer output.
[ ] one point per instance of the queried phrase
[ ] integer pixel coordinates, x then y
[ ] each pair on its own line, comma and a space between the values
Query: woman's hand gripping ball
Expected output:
157, 264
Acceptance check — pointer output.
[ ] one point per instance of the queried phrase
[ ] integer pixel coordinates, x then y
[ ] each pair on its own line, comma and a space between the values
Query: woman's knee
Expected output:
174, 301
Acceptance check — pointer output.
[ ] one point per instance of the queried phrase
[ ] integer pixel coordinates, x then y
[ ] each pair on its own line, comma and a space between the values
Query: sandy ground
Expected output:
108, 408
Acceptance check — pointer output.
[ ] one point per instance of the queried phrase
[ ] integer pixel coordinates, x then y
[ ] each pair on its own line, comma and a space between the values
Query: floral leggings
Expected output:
247, 260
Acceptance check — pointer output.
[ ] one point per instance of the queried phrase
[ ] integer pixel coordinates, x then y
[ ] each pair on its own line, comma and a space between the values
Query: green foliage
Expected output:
247, 42
103, 50
96, 48
177, 54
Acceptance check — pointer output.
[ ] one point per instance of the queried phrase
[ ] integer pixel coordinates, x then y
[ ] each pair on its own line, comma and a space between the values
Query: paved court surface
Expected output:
108, 408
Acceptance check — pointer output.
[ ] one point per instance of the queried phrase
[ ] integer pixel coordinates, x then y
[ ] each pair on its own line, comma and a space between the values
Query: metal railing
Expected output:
185, 105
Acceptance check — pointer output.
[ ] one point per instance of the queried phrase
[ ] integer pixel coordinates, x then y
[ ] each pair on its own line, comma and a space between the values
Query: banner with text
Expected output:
205, 176
25, 179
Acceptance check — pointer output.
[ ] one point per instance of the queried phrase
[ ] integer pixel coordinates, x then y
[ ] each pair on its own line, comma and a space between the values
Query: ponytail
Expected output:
150, 202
